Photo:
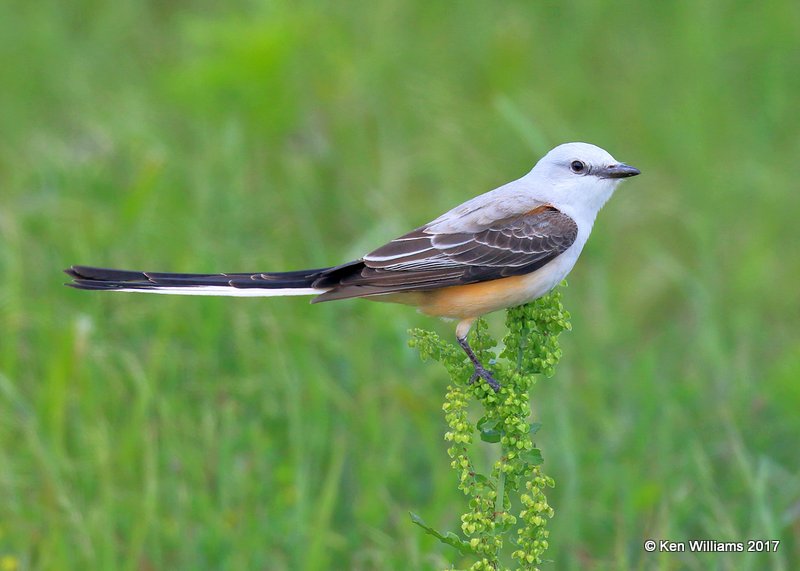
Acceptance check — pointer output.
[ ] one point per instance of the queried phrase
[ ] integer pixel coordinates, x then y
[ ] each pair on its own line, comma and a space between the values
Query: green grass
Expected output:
147, 432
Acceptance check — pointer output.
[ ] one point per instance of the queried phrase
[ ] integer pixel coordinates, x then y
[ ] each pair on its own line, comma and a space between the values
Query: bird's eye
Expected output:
578, 167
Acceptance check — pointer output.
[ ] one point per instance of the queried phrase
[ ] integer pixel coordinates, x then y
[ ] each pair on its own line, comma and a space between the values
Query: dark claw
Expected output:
481, 373
480, 370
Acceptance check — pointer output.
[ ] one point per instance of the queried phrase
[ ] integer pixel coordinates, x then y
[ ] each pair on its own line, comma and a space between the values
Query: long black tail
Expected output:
240, 284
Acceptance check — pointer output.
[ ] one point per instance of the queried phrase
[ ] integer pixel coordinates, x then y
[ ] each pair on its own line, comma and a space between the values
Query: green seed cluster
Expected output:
478, 522
530, 348
532, 536
533, 330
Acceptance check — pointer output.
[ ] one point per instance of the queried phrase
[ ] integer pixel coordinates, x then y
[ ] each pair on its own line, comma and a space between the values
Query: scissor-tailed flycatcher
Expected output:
498, 250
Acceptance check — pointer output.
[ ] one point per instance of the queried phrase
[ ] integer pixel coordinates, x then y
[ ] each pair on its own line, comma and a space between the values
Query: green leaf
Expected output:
487, 422
532, 456
535, 426
481, 479
449, 538
491, 435
488, 428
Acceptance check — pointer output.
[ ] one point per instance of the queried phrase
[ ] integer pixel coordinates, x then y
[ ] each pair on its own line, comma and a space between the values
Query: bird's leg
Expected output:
480, 370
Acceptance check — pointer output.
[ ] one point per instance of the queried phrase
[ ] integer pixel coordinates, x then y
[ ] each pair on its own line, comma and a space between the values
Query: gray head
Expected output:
579, 176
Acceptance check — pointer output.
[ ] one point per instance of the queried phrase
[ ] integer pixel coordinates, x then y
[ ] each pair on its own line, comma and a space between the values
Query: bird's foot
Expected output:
482, 373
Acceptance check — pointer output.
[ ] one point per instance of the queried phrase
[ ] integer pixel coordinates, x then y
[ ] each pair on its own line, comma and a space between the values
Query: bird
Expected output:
500, 249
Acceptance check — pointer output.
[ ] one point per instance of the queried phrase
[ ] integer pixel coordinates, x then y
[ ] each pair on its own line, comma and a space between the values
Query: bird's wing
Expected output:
426, 259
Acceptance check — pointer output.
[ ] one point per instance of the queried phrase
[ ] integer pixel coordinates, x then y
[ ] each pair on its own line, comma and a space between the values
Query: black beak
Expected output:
620, 170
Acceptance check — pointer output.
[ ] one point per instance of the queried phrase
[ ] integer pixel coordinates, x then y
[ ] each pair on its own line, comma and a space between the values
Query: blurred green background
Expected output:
151, 432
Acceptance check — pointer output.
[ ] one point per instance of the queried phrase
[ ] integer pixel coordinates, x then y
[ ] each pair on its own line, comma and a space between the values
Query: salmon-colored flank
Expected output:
467, 300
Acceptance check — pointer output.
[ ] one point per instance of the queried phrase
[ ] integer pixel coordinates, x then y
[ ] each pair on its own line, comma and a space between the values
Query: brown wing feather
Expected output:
420, 260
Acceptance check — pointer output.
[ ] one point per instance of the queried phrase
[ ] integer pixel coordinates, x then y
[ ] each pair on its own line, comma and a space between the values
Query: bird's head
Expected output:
579, 176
